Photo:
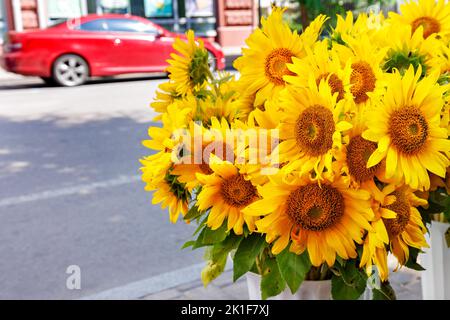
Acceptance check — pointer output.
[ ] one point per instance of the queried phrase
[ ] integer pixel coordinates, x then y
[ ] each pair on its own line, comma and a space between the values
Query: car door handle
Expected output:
117, 42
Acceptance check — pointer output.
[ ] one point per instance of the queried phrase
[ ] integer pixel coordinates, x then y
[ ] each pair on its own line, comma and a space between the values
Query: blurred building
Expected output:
228, 21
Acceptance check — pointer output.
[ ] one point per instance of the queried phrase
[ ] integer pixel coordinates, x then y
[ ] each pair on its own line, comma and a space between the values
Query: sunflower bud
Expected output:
212, 270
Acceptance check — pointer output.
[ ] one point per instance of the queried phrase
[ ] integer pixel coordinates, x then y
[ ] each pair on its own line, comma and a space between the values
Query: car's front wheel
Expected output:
70, 70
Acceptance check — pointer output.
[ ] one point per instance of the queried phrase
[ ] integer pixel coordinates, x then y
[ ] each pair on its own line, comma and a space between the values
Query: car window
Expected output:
94, 25
126, 25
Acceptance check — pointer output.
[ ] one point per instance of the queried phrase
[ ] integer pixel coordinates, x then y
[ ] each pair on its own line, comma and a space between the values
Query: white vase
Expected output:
309, 290
436, 261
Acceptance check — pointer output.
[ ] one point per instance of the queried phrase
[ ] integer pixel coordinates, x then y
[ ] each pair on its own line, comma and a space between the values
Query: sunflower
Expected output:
326, 219
216, 106
376, 240
167, 190
259, 138
433, 16
226, 192
310, 128
218, 139
364, 24
170, 193
351, 160
364, 76
441, 61
406, 229
406, 127
164, 138
407, 48
189, 69
154, 167
267, 117
323, 64
166, 94
270, 49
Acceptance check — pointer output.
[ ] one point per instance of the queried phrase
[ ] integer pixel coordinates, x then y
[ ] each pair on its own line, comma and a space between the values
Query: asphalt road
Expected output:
70, 192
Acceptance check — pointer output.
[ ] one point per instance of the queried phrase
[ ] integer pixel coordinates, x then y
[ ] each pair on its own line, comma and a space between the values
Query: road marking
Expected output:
142, 288
79, 189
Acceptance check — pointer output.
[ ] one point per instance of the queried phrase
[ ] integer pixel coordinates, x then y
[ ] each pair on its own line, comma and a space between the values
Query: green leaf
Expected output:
254, 269
433, 208
222, 249
200, 227
271, 282
385, 292
209, 237
246, 253
438, 202
193, 213
351, 284
447, 210
188, 244
447, 237
293, 268
412, 260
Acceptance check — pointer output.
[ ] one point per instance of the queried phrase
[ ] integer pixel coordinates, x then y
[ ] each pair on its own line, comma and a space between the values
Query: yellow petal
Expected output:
375, 158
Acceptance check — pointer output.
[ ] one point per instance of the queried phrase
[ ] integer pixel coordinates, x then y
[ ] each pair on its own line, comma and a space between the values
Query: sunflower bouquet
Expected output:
319, 158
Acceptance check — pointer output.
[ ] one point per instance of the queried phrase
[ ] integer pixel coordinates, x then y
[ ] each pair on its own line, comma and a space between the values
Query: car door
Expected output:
93, 40
138, 46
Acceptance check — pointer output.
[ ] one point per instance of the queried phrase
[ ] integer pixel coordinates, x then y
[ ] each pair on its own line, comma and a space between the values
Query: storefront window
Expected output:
174, 15
61, 10
114, 6
199, 8
158, 8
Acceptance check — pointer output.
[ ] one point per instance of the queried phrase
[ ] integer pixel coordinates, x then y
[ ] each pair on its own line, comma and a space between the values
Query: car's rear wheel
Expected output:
70, 70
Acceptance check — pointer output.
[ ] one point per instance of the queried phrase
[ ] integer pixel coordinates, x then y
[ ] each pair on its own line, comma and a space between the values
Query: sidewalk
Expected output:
406, 284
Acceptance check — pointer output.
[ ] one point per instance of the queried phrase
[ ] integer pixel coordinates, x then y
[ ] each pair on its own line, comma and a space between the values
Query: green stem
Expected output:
214, 83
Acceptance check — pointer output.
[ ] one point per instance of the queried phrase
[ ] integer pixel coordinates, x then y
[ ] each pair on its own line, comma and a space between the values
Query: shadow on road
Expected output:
74, 200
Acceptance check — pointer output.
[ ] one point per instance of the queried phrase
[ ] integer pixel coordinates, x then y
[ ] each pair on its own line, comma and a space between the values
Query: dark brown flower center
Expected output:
238, 192
275, 65
358, 152
315, 208
430, 25
314, 130
362, 80
335, 84
401, 206
408, 130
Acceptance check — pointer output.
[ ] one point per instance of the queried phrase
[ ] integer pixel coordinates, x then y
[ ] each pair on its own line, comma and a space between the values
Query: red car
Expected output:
94, 45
